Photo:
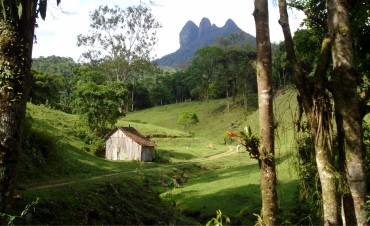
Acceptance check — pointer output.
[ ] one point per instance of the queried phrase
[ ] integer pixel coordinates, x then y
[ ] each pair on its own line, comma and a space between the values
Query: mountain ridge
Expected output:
193, 37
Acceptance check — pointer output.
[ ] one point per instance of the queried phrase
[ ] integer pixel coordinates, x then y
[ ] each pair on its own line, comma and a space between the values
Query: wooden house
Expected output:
126, 143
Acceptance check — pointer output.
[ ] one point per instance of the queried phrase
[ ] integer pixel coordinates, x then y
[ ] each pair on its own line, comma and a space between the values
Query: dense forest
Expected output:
223, 70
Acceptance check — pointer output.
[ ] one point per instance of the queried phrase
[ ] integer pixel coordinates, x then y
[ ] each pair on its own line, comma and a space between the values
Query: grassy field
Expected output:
188, 177
231, 183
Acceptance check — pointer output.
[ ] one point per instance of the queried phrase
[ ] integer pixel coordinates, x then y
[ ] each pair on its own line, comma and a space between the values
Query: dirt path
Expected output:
231, 151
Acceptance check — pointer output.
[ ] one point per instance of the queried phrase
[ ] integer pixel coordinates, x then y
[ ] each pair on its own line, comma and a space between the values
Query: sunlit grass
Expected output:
230, 183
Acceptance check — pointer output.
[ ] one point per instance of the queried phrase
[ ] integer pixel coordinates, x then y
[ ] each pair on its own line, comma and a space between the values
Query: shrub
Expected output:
99, 146
39, 147
188, 118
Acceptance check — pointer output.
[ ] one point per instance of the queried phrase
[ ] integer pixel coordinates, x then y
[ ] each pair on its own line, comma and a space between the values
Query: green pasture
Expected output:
230, 183
189, 174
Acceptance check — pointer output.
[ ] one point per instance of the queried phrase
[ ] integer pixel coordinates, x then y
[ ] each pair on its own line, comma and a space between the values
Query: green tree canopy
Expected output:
188, 118
119, 37
45, 89
100, 105
117, 32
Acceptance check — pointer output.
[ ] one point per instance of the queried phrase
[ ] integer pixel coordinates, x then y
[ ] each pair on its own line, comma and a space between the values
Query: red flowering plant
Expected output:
249, 141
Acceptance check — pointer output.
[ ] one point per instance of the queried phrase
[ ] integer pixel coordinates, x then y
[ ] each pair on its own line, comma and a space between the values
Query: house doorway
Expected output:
116, 153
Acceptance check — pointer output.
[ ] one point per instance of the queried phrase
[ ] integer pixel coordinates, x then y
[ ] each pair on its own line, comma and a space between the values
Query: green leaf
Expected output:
228, 220
3, 8
20, 10
43, 6
248, 130
11, 220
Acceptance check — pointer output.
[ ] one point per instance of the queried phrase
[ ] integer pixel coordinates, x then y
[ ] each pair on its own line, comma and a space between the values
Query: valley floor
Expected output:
196, 173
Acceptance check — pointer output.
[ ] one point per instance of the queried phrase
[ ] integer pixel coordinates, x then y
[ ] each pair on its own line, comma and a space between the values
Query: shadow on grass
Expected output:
235, 191
68, 163
282, 158
238, 203
125, 200
210, 190
172, 154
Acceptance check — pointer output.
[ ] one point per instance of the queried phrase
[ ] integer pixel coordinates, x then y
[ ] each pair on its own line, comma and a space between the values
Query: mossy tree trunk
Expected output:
16, 39
317, 108
348, 104
266, 119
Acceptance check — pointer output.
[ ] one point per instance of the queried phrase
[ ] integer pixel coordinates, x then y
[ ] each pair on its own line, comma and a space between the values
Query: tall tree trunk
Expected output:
322, 134
226, 80
266, 119
132, 96
347, 210
16, 36
317, 110
348, 103
227, 92
245, 95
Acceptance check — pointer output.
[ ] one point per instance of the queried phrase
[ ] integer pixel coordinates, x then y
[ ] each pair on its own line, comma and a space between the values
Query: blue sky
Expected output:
57, 34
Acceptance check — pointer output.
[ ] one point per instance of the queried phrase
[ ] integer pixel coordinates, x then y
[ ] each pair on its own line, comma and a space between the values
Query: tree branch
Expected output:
323, 61
300, 79
310, 15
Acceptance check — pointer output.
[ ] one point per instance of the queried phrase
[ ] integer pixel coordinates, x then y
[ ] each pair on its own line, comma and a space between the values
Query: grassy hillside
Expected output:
230, 183
192, 177
76, 187
214, 119
69, 155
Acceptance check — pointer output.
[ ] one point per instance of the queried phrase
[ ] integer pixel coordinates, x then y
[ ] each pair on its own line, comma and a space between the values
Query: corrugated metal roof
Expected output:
134, 135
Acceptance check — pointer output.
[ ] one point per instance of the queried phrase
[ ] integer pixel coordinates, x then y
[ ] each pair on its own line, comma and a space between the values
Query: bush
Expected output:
160, 158
39, 154
39, 147
99, 145
86, 136
188, 118
309, 207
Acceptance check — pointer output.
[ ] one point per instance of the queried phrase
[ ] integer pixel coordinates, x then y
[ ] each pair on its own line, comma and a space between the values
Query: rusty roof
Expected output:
134, 135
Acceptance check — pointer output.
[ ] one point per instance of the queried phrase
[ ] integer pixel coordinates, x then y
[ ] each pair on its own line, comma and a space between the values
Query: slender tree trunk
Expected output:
348, 103
245, 95
132, 96
347, 210
226, 86
15, 60
322, 134
317, 110
227, 93
266, 119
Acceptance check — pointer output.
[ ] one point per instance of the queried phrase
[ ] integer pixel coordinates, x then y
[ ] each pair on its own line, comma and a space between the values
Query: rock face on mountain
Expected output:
189, 33
204, 27
193, 38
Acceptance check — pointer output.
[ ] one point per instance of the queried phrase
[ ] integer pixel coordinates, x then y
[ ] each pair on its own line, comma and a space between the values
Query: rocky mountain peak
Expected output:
230, 24
189, 33
204, 26
193, 38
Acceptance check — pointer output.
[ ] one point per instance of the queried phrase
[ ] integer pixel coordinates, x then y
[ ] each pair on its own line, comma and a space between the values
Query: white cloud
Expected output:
57, 35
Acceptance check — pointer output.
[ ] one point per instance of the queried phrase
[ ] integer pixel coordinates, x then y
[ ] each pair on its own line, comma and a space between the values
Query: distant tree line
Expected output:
223, 70
215, 72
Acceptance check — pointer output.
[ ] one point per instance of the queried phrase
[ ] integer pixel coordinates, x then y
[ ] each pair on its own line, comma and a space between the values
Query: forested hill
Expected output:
55, 65
193, 38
